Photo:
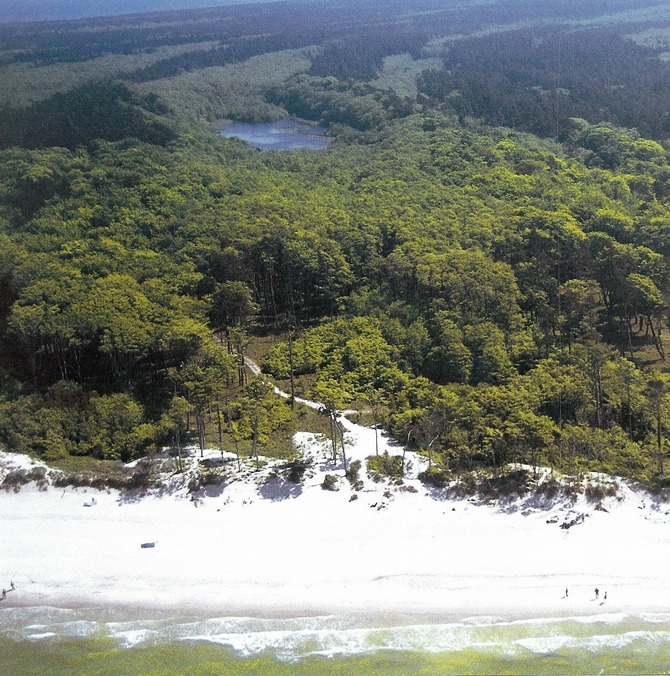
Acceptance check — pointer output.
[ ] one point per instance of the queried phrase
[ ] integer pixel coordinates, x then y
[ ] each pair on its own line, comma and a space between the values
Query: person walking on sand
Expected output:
597, 592
11, 584
566, 592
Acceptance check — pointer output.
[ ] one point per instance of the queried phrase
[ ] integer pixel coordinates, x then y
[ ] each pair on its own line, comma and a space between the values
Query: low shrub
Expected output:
330, 482
353, 470
464, 487
353, 474
295, 470
101, 483
435, 476
514, 483
599, 491
384, 465
548, 489
659, 487
116, 478
19, 477
205, 479
62, 480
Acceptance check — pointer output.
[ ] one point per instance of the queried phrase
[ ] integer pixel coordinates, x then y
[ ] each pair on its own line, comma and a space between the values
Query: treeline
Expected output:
97, 110
52, 42
334, 102
352, 38
537, 79
361, 56
232, 52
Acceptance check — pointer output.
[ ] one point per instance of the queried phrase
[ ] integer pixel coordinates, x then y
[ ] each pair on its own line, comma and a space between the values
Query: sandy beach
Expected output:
262, 546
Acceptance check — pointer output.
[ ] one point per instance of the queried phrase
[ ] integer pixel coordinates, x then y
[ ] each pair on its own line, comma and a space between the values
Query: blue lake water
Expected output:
283, 134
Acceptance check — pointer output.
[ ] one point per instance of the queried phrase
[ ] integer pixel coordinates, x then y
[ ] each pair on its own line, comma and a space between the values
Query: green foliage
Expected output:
597, 492
436, 477
16, 478
352, 473
332, 102
94, 110
330, 482
296, 470
69, 420
384, 465
476, 287
514, 482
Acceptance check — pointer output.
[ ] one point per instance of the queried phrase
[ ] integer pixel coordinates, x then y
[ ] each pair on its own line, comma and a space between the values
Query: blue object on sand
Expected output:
148, 545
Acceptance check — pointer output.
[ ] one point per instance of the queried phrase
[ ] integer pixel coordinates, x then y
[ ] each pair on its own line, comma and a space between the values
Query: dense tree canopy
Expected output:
493, 296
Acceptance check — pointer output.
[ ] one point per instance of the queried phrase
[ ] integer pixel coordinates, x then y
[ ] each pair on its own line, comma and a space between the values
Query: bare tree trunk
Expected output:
659, 444
200, 422
657, 338
177, 438
218, 422
254, 444
237, 450
344, 453
333, 440
290, 361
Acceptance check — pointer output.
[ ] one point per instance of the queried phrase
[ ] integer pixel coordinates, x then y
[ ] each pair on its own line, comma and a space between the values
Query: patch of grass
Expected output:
232, 92
103, 476
86, 463
309, 420
399, 73
26, 83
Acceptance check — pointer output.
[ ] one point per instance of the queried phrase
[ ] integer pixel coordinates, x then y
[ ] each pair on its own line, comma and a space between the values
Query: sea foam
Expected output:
294, 639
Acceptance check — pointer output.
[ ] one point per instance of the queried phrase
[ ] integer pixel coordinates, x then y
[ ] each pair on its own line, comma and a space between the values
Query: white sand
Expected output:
266, 547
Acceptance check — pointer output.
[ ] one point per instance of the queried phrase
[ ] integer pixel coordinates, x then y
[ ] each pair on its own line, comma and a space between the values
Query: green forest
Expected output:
479, 261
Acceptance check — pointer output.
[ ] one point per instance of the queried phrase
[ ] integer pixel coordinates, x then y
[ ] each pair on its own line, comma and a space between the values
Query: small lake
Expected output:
283, 134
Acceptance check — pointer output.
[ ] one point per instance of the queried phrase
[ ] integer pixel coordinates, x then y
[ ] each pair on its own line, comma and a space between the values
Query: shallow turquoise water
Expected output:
54, 641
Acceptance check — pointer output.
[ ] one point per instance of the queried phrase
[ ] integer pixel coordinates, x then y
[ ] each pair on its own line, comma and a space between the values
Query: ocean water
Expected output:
55, 641
56, 10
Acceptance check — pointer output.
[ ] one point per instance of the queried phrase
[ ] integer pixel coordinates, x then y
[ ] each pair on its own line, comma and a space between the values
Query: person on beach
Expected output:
14, 588
597, 592
566, 592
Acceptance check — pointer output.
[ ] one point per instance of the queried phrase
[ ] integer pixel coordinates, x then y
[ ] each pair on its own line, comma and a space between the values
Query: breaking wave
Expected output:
332, 636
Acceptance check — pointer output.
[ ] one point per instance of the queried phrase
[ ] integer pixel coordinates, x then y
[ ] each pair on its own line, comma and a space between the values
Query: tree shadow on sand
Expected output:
276, 487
